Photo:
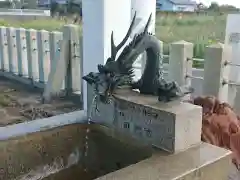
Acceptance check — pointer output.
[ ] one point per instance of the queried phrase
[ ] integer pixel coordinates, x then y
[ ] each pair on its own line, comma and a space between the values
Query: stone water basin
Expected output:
58, 154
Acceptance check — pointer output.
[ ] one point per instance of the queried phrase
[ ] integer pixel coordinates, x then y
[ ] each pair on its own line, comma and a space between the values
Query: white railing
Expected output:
25, 12
30, 55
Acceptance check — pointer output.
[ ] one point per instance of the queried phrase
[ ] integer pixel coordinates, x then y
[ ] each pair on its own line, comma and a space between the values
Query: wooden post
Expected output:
180, 62
216, 72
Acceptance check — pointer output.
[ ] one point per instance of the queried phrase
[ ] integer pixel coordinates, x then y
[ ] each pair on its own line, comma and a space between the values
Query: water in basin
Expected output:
58, 154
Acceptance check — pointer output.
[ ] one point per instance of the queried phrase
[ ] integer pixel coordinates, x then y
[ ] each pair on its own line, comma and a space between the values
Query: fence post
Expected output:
59, 70
32, 55
22, 52
43, 55
180, 62
216, 72
12, 50
4, 49
67, 66
55, 40
75, 58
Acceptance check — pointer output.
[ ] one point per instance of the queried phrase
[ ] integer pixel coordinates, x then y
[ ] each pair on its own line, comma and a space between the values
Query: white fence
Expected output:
33, 56
30, 55
25, 12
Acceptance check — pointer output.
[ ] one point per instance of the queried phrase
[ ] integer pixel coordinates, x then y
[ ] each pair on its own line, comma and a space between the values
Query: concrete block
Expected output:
172, 126
203, 162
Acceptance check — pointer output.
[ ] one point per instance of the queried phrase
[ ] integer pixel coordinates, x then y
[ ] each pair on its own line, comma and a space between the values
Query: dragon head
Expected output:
114, 73
106, 81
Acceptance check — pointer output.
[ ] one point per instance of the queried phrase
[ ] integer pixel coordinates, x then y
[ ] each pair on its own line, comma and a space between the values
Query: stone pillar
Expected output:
180, 62
4, 49
232, 39
32, 54
144, 9
12, 50
216, 72
100, 18
43, 55
22, 52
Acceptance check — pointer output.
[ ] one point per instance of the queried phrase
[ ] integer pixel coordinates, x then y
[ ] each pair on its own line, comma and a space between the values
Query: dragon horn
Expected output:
148, 23
115, 49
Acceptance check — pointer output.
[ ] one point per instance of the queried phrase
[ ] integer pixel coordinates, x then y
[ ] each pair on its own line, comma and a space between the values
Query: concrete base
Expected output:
174, 126
204, 162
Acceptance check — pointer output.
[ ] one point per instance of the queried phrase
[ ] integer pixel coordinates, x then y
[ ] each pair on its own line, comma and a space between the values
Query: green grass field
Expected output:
201, 29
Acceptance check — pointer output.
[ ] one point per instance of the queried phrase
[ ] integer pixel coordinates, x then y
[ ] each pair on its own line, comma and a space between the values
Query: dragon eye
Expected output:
112, 74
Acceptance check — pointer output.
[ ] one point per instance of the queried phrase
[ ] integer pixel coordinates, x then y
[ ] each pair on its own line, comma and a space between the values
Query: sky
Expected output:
230, 2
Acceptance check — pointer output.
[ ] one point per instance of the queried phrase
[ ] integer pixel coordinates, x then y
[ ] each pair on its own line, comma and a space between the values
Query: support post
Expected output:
32, 55
100, 18
180, 62
43, 55
236, 104
144, 9
59, 70
22, 52
75, 58
216, 72
55, 40
4, 49
12, 50
232, 39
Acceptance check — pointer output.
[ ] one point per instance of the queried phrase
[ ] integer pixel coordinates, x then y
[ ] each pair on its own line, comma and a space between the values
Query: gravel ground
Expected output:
19, 103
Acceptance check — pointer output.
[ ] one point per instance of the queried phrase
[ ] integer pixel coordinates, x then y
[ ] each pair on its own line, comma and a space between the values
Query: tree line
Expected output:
65, 9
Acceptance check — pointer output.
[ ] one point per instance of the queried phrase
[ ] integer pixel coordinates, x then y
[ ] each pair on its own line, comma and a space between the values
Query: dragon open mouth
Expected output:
102, 84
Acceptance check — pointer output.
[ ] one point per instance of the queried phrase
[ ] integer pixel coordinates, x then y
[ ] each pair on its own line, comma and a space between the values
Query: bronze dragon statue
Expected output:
118, 72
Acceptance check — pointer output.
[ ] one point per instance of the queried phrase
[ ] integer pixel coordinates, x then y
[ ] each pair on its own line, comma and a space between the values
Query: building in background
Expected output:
46, 3
28, 4
177, 5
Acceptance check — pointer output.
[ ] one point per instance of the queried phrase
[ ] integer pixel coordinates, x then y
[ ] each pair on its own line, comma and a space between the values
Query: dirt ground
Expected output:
19, 103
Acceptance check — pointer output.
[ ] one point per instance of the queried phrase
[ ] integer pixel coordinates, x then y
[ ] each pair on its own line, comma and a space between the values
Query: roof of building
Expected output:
183, 2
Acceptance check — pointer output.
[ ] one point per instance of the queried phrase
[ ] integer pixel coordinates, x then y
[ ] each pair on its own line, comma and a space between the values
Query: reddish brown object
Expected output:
221, 126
